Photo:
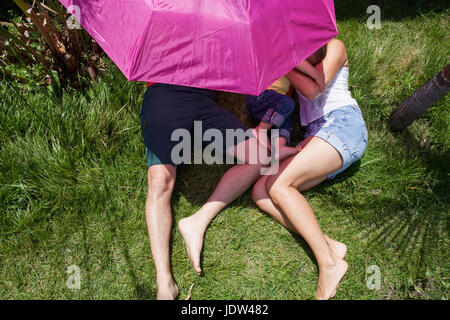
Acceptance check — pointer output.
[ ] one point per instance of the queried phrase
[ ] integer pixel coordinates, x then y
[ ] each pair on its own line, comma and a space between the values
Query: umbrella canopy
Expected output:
240, 46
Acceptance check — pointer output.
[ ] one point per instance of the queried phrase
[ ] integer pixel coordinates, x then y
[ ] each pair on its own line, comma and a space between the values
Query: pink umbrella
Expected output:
231, 45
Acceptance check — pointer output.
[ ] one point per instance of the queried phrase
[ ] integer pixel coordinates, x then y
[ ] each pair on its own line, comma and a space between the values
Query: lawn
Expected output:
73, 187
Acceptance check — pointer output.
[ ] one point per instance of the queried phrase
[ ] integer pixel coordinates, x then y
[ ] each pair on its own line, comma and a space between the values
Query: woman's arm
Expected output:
335, 59
304, 84
309, 70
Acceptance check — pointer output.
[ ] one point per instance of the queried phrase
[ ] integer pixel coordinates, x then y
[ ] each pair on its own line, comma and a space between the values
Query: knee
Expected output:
160, 182
276, 189
289, 105
259, 191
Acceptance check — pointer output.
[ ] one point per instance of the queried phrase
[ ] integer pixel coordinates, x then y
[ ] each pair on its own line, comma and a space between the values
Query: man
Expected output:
167, 108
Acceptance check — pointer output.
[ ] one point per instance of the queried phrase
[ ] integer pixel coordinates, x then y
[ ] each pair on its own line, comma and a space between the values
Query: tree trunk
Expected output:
421, 100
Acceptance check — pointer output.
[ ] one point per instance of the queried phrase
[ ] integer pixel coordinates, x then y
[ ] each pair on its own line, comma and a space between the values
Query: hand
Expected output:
307, 68
320, 81
313, 72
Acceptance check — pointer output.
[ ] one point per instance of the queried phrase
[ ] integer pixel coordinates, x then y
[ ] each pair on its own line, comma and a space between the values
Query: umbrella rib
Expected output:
331, 13
138, 46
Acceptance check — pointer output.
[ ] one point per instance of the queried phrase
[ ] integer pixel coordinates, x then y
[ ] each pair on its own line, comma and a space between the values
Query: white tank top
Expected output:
335, 96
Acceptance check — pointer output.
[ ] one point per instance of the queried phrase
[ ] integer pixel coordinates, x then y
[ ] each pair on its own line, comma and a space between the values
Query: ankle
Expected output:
196, 218
196, 222
164, 280
330, 261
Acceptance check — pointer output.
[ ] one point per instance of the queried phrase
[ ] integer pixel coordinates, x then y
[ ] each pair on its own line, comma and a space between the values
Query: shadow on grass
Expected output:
142, 291
85, 262
413, 228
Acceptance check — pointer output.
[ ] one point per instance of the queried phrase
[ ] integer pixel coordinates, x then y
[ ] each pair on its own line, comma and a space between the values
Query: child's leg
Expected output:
273, 110
260, 133
233, 184
316, 160
282, 149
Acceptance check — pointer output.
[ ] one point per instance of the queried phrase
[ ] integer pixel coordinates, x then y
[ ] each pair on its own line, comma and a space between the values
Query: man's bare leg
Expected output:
232, 185
161, 180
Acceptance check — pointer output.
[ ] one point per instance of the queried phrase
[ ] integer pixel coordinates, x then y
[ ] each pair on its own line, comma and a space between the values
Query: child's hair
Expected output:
318, 56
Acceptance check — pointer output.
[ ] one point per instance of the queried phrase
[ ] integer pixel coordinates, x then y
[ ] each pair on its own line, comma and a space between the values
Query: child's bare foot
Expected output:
339, 248
193, 239
329, 278
167, 291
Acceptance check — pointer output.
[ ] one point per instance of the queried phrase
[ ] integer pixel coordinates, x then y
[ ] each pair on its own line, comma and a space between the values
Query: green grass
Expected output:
73, 187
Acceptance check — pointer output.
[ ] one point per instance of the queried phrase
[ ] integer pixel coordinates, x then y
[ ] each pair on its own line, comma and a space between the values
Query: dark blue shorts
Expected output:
343, 128
169, 107
274, 108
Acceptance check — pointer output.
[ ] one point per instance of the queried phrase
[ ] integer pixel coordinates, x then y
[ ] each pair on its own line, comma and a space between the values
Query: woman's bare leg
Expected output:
317, 159
263, 201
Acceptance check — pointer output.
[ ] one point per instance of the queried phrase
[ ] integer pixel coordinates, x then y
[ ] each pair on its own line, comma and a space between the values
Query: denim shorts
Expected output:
344, 128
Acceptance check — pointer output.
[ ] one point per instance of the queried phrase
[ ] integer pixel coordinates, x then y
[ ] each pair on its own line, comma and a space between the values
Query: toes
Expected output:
197, 268
195, 264
334, 293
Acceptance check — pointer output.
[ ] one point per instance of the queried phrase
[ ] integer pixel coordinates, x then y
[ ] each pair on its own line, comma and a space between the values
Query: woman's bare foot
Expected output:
193, 238
339, 248
167, 290
329, 278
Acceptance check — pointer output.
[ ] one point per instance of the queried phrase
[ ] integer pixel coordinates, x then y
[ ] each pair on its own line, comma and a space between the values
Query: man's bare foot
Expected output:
167, 291
193, 238
329, 278
339, 248
334, 292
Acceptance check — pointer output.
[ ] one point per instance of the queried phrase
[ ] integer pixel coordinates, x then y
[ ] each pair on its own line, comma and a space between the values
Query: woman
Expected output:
336, 137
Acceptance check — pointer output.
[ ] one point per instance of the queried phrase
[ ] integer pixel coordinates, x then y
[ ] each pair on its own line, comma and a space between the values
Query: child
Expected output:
273, 108
336, 136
